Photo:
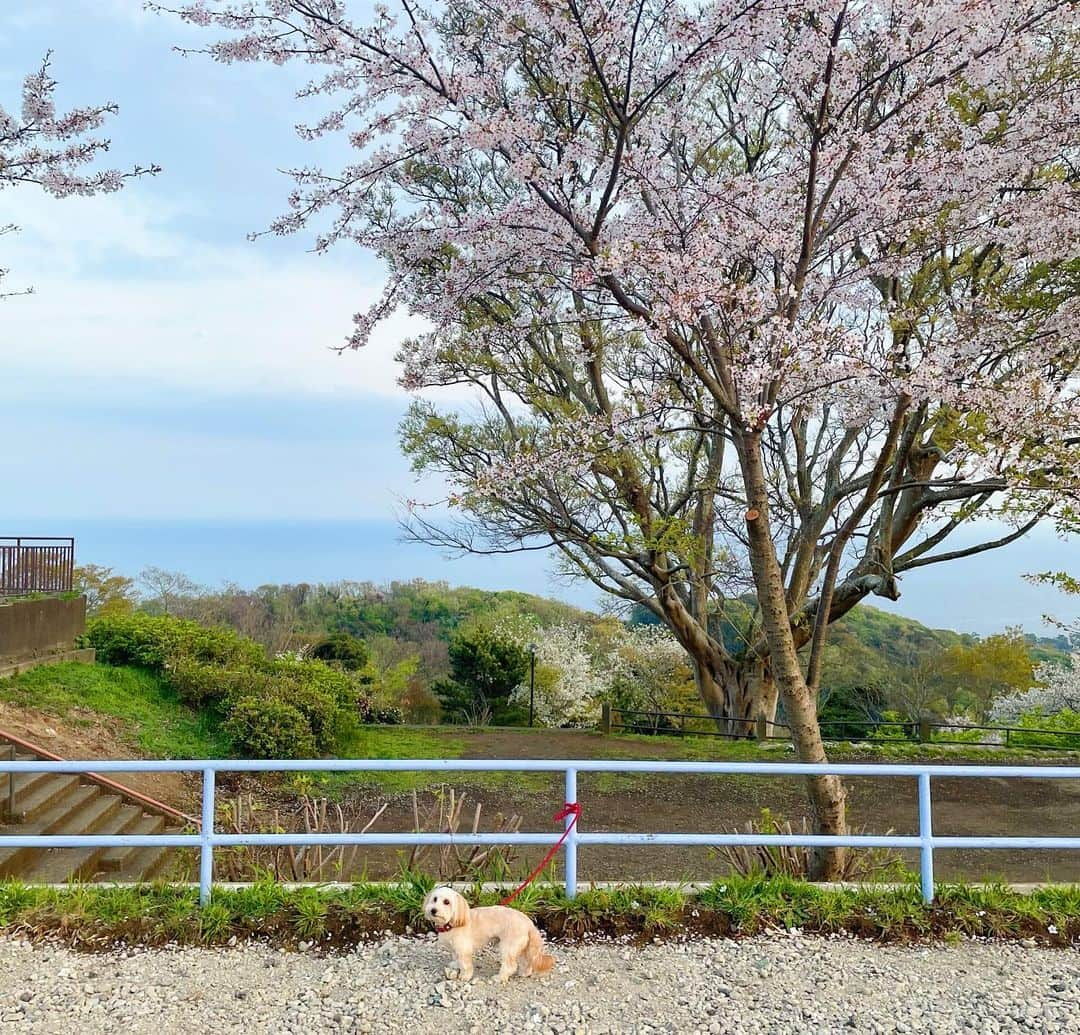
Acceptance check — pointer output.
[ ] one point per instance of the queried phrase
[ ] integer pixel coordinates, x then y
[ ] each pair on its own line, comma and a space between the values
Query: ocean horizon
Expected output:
982, 594
261, 552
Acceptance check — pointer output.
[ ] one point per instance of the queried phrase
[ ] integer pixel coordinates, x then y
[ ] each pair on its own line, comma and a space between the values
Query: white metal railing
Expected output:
208, 838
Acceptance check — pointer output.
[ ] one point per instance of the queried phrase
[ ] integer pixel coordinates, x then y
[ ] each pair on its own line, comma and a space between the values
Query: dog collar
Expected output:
444, 929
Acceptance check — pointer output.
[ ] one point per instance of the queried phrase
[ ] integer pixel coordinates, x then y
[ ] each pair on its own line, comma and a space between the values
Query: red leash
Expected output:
571, 808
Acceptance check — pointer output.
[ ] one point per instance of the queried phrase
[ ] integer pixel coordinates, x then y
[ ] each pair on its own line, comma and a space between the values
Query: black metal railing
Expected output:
36, 564
919, 731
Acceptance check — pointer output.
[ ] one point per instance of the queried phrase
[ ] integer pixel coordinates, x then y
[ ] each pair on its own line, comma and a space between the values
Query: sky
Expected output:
170, 369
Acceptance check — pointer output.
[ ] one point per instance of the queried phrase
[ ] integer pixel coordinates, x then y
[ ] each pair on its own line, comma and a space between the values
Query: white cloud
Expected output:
118, 289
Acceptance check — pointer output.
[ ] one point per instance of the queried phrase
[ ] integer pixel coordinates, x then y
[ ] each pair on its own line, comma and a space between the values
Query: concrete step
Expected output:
57, 803
114, 860
37, 796
63, 817
158, 862
145, 864
17, 786
59, 865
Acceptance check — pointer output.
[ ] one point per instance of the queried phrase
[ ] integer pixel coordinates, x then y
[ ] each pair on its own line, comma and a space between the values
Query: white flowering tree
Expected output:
1058, 690
651, 670
571, 680
762, 297
579, 668
53, 150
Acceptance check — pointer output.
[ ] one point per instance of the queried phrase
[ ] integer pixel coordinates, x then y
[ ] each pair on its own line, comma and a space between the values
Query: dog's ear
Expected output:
460, 915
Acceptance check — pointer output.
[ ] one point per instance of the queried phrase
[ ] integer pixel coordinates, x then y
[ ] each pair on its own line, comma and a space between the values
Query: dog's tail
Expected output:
539, 960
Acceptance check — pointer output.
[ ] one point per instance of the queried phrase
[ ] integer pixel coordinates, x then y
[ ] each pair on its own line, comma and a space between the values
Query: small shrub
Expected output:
323, 715
370, 713
894, 726
194, 682
420, 705
202, 685
1062, 730
459, 862
348, 651
244, 815
960, 734
152, 641
263, 728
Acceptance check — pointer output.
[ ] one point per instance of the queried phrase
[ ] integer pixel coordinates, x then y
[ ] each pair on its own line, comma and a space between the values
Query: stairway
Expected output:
57, 803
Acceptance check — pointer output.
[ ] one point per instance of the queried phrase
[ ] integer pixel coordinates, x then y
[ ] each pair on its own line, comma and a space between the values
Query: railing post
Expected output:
924, 730
11, 788
926, 834
570, 846
761, 728
206, 856
605, 718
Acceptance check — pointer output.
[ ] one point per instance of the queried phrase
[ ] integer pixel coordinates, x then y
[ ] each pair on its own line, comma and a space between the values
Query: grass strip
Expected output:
96, 917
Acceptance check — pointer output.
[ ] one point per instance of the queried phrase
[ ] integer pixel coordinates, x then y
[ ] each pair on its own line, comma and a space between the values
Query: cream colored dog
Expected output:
466, 931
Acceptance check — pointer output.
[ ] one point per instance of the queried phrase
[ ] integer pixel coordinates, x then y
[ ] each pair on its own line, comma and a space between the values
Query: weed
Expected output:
460, 862
878, 864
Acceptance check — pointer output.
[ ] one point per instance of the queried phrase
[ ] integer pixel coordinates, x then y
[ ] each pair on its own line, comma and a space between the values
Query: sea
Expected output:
982, 594
255, 553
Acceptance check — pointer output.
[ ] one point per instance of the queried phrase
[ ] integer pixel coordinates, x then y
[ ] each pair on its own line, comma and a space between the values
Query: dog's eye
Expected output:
446, 901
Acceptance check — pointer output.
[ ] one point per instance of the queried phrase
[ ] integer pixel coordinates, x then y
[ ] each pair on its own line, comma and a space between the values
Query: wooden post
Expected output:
924, 730
761, 728
605, 718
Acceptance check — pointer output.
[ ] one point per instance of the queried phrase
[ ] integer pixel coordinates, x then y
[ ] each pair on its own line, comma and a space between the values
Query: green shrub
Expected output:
263, 728
152, 641
959, 735
1064, 727
896, 727
194, 682
351, 653
281, 708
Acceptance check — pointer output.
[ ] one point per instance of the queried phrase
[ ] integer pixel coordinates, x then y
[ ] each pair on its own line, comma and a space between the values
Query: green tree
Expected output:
484, 669
106, 592
974, 675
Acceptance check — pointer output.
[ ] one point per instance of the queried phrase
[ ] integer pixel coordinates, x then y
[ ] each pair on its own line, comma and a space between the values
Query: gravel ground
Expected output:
777, 985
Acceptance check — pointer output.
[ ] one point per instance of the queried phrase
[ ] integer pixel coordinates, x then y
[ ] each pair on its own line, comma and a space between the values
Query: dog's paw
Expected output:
452, 973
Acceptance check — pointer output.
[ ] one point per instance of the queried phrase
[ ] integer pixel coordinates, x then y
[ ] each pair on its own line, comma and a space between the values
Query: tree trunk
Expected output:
737, 695
827, 795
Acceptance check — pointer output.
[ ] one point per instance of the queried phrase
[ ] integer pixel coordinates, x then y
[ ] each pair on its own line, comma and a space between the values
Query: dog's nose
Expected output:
432, 910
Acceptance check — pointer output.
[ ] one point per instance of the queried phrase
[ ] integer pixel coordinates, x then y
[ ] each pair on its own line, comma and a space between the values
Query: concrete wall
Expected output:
32, 628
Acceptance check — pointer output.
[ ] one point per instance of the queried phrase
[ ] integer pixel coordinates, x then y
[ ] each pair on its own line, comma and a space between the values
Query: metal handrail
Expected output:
125, 792
208, 838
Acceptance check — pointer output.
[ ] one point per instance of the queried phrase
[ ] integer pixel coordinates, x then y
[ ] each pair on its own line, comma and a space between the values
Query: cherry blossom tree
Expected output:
54, 150
759, 298
1057, 690
578, 669
571, 680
